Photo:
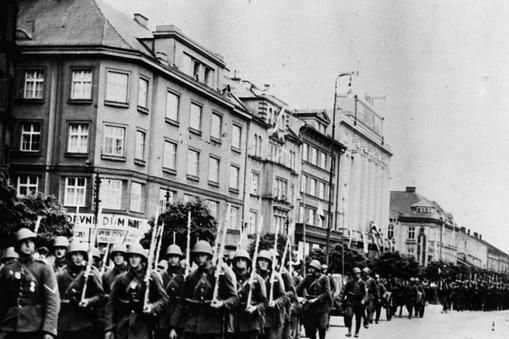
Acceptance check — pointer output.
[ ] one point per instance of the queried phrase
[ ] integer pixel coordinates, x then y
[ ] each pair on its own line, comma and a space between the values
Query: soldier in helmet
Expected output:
275, 311
354, 298
8, 255
29, 299
60, 245
317, 300
248, 318
205, 317
169, 323
78, 316
96, 258
127, 315
373, 296
117, 256
381, 297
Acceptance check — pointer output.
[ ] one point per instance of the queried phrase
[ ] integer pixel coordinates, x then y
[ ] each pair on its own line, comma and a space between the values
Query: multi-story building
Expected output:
364, 180
98, 93
8, 52
319, 154
273, 162
421, 228
472, 250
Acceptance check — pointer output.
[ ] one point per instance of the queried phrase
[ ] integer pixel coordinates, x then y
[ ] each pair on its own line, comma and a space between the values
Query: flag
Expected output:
277, 127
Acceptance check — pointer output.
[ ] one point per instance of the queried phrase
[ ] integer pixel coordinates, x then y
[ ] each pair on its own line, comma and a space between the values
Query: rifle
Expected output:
253, 264
89, 255
150, 261
105, 258
37, 224
274, 263
219, 269
285, 253
159, 242
188, 246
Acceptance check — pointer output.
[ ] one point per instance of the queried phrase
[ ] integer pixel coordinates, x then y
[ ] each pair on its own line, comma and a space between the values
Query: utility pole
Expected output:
167, 197
97, 201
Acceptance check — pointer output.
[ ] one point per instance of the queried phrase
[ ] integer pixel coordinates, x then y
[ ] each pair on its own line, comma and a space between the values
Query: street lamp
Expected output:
329, 224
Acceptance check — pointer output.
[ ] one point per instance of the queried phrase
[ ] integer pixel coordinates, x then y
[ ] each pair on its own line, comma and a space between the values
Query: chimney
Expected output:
141, 20
480, 236
475, 235
468, 231
410, 189
463, 229
266, 87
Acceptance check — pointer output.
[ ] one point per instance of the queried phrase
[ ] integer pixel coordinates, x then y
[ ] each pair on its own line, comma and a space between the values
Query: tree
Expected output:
203, 225
352, 259
16, 213
267, 243
396, 265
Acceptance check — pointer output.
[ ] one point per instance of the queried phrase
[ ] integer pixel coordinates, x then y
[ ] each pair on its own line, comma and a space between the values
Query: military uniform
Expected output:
29, 299
354, 297
124, 311
317, 291
291, 299
373, 299
76, 322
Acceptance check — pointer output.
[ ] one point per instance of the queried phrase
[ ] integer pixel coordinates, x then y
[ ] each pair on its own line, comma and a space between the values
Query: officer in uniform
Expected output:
316, 293
275, 311
354, 298
117, 256
77, 319
169, 323
205, 317
29, 299
8, 255
60, 245
248, 319
126, 314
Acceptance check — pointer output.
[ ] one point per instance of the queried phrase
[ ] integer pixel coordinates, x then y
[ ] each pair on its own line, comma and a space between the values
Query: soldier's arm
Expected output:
109, 312
262, 293
175, 316
229, 295
289, 287
326, 291
279, 292
52, 300
301, 287
99, 298
158, 294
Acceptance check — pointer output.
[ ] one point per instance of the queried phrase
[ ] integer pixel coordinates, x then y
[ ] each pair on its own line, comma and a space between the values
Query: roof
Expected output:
403, 201
320, 114
79, 22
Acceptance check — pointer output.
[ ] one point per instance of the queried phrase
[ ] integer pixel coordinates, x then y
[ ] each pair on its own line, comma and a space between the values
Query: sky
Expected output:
442, 66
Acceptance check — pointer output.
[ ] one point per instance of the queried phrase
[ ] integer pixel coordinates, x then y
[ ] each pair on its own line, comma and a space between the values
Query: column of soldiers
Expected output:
66, 296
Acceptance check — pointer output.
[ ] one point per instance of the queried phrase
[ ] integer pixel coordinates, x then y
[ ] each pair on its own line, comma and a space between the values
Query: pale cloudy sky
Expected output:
444, 68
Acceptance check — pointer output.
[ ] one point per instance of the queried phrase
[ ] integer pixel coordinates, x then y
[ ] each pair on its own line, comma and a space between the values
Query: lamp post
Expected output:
331, 171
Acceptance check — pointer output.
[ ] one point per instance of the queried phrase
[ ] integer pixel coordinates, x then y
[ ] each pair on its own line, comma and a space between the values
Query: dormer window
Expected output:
198, 70
321, 127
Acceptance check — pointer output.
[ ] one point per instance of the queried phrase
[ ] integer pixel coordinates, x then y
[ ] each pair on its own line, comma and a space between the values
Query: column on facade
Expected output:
371, 192
364, 192
345, 189
378, 197
386, 197
355, 191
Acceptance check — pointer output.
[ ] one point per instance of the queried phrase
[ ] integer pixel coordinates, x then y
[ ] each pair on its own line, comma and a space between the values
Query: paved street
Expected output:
453, 325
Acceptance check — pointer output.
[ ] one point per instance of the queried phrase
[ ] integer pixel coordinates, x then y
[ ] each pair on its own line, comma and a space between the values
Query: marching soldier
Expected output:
8, 255
60, 245
290, 298
411, 298
126, 314
315, 288
248, 318
373, 296
205, 317
381, 295
169, 324
77, 319
29, 299
117, 256
354, 297
96, 258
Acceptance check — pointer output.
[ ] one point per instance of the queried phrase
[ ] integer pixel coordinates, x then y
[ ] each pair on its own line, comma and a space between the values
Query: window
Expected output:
139, 150
81, 88
113, 141
321, 190
209, 77
143, 93
111, 194
280, 221
187, 64
193, 158
255, 182
234, 177
323, 160
390, 231
253, 222
236, 136
292, 193
305, 152
136, 197
189, 198
301, 214
27, 185
303, 184
258, 145
281, 189
213, 207
234, 218
314, 156
411, 232
31, 137
195, 117
172, 106
34, 84
292, 160
116, 86
165, 194
215, 126
75, 191
311, 216
78, 138
169, 155
214, 169
312, 186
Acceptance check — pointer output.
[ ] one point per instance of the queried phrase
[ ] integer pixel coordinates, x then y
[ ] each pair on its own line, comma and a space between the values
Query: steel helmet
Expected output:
137, 249
77, 246
61, 241
356, 270
264, 254
274, 253
24, 233
315, 264
174, 250
9, 253
202, 247
162, 265
242, 254
118, 248
366, 270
